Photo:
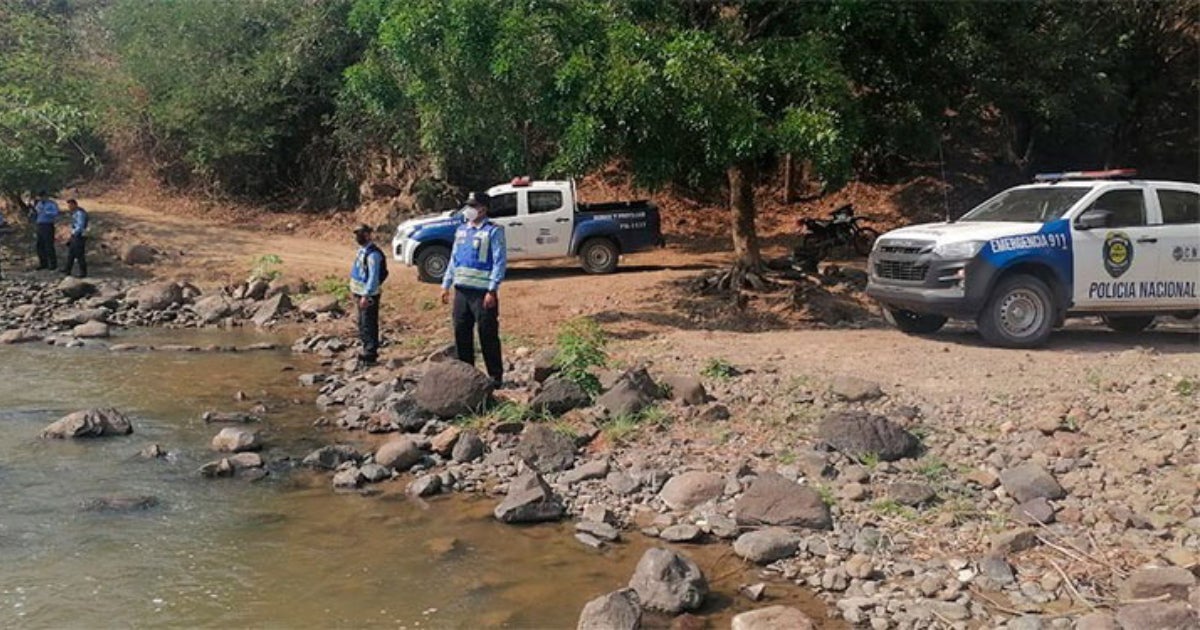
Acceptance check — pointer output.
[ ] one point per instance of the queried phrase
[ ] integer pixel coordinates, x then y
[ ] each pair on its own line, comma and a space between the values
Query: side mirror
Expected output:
1093, 219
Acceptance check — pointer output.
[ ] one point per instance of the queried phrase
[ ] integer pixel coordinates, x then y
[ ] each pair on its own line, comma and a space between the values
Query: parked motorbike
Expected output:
820, 236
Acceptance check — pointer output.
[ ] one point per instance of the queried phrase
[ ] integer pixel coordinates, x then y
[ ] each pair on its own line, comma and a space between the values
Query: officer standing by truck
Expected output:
45, 213
366, 276
477, 266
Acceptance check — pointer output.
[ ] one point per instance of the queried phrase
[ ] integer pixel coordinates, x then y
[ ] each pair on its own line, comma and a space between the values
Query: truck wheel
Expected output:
599, 255
1019, 314
1128, 323
913, 323
432, 262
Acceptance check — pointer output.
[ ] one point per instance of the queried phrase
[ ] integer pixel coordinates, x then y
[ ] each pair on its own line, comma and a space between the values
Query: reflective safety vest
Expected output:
360, 273
473, 262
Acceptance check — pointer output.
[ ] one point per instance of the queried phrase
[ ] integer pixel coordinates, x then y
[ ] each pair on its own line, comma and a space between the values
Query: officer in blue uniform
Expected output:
366, 276
45, 213
78, 244
476, 269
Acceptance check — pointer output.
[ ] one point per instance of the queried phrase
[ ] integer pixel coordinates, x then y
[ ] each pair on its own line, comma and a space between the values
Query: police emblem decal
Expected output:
1118, 253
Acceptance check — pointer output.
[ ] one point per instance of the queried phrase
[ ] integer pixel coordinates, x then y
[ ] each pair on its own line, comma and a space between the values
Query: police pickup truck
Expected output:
541, 219
1083, 243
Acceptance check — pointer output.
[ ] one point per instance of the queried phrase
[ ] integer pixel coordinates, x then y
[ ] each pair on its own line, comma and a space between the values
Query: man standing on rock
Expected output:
476, 269
78, 242
45, 213
366, 276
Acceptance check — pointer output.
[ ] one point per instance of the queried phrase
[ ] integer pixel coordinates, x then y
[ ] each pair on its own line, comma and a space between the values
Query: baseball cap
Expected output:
363, 229
480, 199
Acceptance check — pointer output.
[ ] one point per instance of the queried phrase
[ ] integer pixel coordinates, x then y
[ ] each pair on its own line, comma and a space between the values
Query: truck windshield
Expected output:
1027, 205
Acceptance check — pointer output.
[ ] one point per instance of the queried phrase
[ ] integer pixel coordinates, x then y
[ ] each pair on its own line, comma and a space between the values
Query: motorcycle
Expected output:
820, 237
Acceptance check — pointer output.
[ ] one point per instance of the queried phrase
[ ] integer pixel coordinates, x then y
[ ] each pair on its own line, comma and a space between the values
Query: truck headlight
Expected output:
961, 250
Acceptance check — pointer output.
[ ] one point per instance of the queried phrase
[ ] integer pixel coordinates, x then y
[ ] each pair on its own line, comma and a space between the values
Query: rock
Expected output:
318, 304
1013, 541
546, 450
399, 454
622, 484
854, 389
544, 364
120, 503
453, 388
982, 478
425, 486
684, 389
774, 500
137, 254
858, 435
468, 448
595, 469
218, 468
19, 335
997, 569
1030, 481
1097, 621
773, 618
89, 423
619, 610
912, 494
684, 532
860, 567
152, 451
589, 540
81, 316
690, 489
350, 478
753, 592
156, 296
74, 288
1026, 622
212, 309
256, 289
1157, 615
332, 456
599, 529
404, 413
669, 582
765, 546
242, 461
443, 443
633, 392
271, 310
227, 417
1155, 581
374, 473
557, 396
90, 330
715, 412
1033, 512
597, 513
235, 440
529, 500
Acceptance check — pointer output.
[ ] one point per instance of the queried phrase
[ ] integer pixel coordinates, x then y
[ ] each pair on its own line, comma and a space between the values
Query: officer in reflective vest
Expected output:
45, 213
365, 280
476, 269
77, 246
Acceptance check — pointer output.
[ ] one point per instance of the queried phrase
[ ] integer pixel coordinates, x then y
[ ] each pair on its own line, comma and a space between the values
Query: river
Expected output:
285, 552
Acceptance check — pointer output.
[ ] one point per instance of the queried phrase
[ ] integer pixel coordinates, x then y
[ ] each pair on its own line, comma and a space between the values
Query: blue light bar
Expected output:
1116, 173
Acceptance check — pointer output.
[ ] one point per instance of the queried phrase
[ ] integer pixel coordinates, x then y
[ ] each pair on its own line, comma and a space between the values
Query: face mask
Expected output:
470, 214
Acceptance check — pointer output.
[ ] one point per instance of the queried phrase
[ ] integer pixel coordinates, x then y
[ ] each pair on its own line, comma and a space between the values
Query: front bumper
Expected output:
926, 284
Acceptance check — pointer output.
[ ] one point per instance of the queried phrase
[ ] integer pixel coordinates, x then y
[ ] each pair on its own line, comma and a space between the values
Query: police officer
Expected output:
45, 214
366, 276
78, 242
476, 269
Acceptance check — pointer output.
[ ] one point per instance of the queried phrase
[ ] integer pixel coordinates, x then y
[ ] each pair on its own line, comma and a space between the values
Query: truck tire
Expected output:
913, 323
1020, 313
599, 255
1128, 323
432, 262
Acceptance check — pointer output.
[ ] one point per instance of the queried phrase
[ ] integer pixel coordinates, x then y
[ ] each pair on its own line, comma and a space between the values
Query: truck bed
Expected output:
614, 206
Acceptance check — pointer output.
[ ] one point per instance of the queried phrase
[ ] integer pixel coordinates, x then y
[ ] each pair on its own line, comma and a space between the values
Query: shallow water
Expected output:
282, 553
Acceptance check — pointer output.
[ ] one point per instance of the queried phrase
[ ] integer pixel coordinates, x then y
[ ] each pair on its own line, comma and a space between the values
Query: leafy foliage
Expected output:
580, 345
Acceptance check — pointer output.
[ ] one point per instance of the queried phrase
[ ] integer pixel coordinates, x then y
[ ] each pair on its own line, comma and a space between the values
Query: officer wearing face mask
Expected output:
476, 269
366, 276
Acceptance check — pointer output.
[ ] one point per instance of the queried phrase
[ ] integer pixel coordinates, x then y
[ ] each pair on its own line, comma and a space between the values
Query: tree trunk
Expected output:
787, 178
741, 208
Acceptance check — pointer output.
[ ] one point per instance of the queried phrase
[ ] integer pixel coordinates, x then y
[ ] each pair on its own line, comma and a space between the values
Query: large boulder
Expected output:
212, 308
558, 396
400, 454
773, 618
89, 423
545, 364
137, 254
765, 546
1029, 481
19, 335
632, 392
318, 304
236, 440
685, 389
90, 330
529, 500
685, 491
453, 388
74, 288
155, 296
272, 310
859, 434
619, 610
546, 450
669, 582
774, 500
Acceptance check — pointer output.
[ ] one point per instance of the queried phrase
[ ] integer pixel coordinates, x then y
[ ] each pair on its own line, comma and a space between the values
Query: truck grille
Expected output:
900, 249
901, 270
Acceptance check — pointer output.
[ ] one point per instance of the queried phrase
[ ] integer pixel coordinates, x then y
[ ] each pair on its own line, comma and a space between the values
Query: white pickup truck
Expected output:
541, 219
1084, 243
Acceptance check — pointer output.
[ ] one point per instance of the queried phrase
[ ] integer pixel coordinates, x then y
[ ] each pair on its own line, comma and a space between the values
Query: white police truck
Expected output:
1090, 243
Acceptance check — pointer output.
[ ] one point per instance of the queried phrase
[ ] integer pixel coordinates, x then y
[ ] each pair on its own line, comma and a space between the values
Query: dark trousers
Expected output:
368, 327
469, 311
76, 252
47, 258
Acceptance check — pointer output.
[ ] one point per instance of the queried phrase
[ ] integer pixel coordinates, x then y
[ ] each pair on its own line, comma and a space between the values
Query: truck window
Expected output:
1179, 207
545, 201
1027, 205
1128, 207
503, 206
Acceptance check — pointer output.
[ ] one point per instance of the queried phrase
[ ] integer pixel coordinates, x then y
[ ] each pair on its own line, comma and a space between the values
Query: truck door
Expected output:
1179, 247
547, 224
503, 210
1114, 263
